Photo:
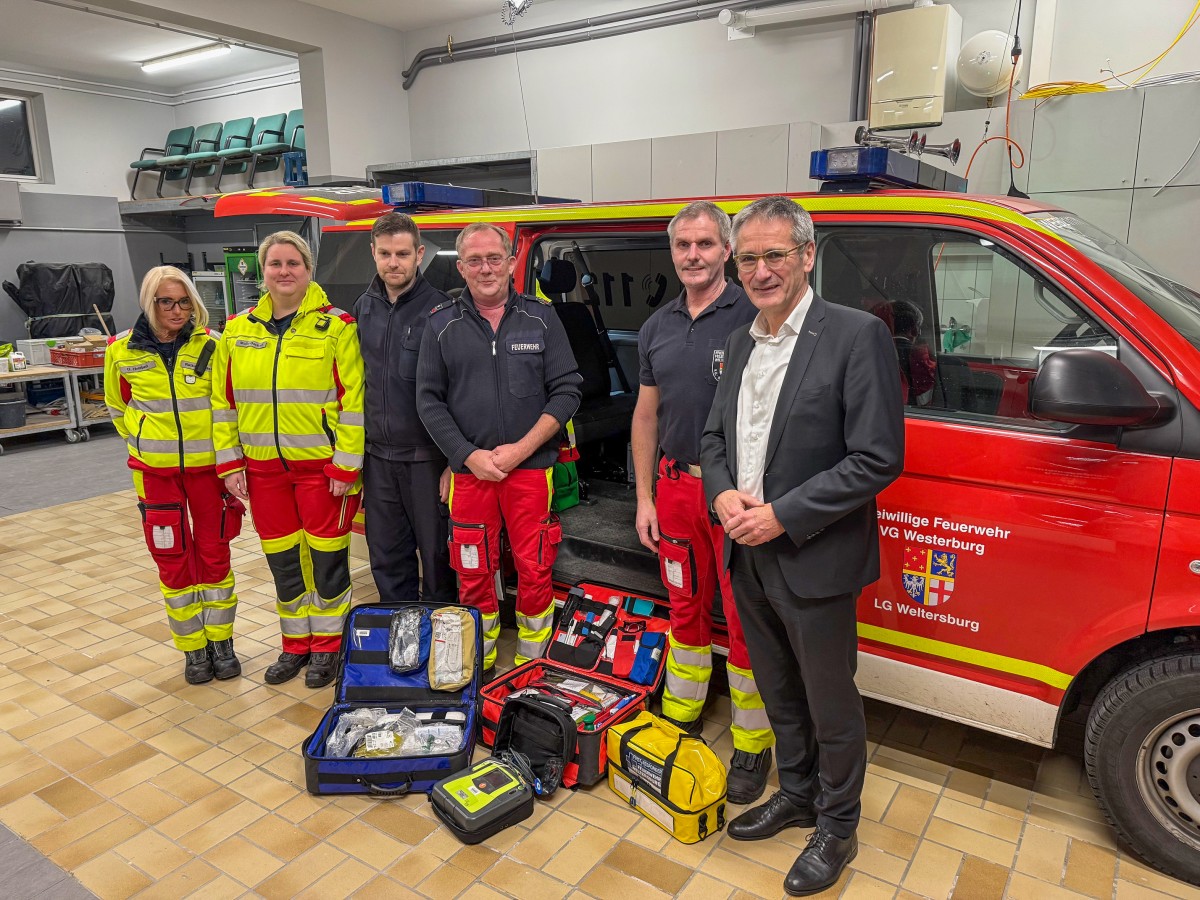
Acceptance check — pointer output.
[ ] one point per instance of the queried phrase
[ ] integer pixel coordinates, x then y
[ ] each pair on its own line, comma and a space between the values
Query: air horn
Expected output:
950, 151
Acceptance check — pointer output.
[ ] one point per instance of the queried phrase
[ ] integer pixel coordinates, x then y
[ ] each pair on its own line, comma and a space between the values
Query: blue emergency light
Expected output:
849, 169
418, 195
423, 194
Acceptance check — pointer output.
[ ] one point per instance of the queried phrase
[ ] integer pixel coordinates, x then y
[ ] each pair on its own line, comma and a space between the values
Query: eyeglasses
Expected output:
494, 261
748, 262
166, 304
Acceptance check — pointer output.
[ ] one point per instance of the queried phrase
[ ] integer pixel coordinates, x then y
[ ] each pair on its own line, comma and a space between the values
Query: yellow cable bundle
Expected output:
1060, 88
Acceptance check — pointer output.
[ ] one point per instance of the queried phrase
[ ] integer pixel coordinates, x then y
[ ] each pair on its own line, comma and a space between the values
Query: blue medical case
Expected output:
365, 679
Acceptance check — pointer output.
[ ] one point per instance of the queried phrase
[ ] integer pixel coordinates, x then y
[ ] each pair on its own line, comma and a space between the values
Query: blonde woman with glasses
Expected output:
158, 386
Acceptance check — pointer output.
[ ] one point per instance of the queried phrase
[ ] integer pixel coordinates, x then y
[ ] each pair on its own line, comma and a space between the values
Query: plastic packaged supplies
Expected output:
408, 639
372, 732
452, 649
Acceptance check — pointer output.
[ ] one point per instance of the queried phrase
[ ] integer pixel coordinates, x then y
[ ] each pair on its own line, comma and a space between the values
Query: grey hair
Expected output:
698, 208
779, 209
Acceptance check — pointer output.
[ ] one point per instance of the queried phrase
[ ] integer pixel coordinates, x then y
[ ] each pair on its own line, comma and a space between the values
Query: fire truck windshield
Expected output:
1177, 303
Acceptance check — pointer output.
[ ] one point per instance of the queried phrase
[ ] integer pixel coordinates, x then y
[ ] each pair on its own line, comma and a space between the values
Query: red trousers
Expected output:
305, 534
688, 531
521, 504
691, 565
189, 520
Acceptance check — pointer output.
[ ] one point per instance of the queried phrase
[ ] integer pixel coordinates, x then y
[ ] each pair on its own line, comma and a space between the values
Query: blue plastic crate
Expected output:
295, 168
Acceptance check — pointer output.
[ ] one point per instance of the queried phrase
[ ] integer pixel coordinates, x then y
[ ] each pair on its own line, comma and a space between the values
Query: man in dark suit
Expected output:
806, 428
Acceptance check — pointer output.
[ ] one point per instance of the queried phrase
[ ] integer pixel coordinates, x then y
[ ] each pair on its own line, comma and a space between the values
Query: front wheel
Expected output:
72, 436
1142, 752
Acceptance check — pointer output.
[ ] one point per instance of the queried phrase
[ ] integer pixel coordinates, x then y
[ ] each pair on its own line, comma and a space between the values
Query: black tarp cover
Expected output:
58, 297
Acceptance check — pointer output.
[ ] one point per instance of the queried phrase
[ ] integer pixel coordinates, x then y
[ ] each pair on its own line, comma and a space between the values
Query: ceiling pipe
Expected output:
506, 44
546, 31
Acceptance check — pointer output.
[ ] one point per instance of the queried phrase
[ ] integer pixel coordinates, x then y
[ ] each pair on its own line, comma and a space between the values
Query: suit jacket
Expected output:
836, 440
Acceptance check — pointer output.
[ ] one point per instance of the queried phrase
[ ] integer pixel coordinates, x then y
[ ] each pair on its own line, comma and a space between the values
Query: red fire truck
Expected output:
1040, 553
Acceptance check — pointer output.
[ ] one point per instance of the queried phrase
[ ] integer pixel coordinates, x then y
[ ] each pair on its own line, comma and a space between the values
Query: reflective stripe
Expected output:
686, 656
294, 627
184, 627
224, 415
298, 441
537, 623
345, 417
114, 413
186, 404
216, 595
742, 683
181, 600
491, 633
196, 446
527, 650
294, 607
284, 395
140, 367
228, 456
684, 688
347, 460
750, 719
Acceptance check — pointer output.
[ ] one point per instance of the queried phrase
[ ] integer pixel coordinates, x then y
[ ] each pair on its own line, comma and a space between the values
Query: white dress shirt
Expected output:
759, 393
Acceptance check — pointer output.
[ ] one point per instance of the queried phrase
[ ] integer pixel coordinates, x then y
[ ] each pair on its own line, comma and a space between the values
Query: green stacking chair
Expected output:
268, 156
270, 141
235, 135
207, 139
179, 140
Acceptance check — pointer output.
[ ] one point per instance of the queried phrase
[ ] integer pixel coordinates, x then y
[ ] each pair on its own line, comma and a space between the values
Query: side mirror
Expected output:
1089, 387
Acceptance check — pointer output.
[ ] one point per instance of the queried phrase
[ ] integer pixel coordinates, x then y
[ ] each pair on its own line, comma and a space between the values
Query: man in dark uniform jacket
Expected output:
405, 477
807, 426
496, 383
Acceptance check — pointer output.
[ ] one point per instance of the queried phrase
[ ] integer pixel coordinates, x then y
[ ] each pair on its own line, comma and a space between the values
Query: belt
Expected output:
673, 469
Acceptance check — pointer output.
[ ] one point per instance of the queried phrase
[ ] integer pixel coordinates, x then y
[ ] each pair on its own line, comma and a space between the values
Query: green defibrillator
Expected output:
482, 800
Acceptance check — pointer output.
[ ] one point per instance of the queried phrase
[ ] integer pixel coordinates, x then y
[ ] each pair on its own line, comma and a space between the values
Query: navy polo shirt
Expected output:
684, 358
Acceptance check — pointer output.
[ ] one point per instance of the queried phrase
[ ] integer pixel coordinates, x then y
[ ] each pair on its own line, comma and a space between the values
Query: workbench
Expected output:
69, 420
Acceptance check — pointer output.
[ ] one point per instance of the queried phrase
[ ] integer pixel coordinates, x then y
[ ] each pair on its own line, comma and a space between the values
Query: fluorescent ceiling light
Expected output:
170, 61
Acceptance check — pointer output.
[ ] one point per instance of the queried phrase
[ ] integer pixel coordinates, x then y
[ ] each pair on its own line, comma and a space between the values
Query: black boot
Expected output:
197, 667
322, 669
748, 775
224, 663
820, 864
285, 668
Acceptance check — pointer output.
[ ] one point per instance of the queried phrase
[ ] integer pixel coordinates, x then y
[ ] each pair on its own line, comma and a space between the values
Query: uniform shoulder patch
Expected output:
445, 304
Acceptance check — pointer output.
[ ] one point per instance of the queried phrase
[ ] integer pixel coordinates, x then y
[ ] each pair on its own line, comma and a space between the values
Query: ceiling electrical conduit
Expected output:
629, 22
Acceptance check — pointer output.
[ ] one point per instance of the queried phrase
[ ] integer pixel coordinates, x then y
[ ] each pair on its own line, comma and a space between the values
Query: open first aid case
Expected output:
606, 656
407, 685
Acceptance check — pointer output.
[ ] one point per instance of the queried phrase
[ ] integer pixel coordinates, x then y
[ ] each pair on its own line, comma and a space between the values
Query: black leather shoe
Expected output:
285, 668
224, 662
197, 667
771, 818
322, 669
748, 776
820, 864
691, 729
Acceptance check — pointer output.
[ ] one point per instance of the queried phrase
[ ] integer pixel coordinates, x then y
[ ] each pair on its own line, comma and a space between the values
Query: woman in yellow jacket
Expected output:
288, 424
158, 386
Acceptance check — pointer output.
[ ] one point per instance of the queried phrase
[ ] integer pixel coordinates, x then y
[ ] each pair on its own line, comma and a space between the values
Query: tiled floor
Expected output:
140, 785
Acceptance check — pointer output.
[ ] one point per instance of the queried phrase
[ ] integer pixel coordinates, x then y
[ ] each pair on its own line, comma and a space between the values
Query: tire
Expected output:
1142, 752
72, 436
85, 435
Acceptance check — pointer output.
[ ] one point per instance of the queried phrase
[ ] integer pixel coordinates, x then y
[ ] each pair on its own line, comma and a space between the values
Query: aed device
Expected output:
483, 800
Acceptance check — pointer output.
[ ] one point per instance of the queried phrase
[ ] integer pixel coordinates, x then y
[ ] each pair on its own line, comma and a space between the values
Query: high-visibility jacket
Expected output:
163, 413
298, 397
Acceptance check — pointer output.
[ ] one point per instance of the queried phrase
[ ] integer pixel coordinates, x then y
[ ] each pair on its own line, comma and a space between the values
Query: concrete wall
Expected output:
74, 228
682, 79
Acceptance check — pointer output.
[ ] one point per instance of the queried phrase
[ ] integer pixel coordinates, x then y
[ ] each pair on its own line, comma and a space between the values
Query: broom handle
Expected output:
100, 316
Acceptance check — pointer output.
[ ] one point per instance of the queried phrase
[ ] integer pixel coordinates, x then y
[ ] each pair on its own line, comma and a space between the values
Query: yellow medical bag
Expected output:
674, 780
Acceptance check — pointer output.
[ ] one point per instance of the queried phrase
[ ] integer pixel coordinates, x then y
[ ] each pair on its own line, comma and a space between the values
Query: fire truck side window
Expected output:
970, 322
